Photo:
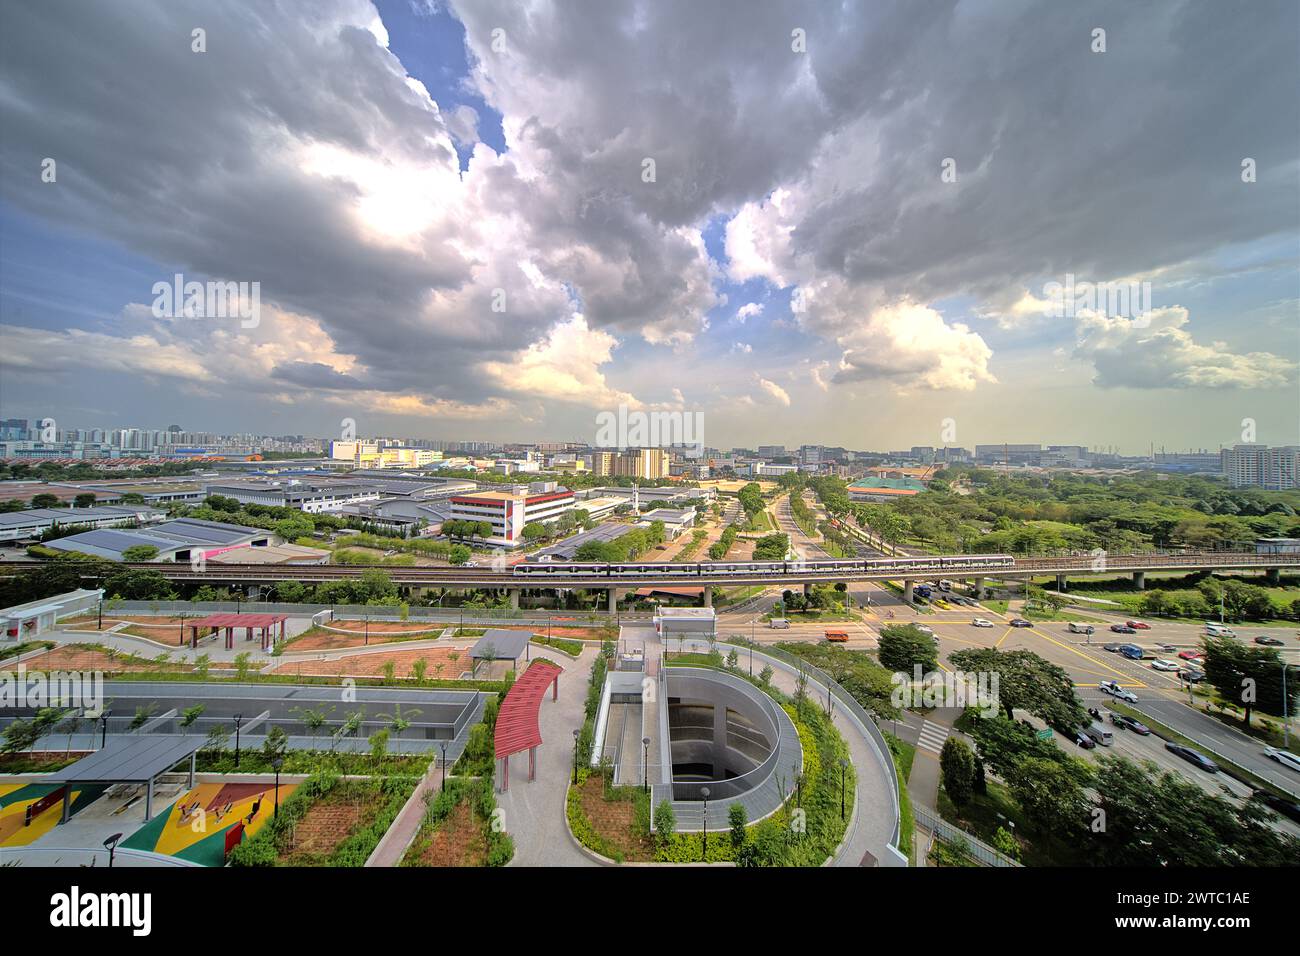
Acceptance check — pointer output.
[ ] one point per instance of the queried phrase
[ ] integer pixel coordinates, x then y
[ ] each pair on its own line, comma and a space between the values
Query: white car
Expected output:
924, 628
1164, 665
1285, 757
981, 622
1115, 690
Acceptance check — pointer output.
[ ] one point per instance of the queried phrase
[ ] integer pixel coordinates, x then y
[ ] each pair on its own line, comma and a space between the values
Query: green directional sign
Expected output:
1045, 733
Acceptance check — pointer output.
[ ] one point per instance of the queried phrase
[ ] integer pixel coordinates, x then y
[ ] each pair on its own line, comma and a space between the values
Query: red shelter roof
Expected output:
517, 728
238, 620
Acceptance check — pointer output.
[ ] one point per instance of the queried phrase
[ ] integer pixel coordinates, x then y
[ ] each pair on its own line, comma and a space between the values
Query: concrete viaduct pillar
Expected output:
1273, 576
1060, 583
907, 591
807, 588
514, 598
613, 600
708, 595
1139, 580
979, 587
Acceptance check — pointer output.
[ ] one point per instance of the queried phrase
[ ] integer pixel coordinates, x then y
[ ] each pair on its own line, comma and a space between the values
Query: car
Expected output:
1079, 737
1163, 665
1285, 757
1288, 808
1125, 722
981, 622
924, 628
1123, 629
1191, 756
1078, 627
1020, 622
1190, 655
1193, 675
1113, 648
1117, 690
1168, 647
1269, 641
1138, 625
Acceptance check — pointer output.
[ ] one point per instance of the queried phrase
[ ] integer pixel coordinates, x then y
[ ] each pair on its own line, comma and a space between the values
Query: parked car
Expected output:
1113, 648
1269, 641
1288, 808
1191, 756
1020, 622
1163, 665
1132, 652
1125, 722
1168, 647
1190, 655
1138, 625
1285, 757
981, 622
1123, 629
1193, 675
1116, 690
1075, 627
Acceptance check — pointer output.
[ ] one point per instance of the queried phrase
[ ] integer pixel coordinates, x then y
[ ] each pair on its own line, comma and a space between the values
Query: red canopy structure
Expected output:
517, 725
250, 622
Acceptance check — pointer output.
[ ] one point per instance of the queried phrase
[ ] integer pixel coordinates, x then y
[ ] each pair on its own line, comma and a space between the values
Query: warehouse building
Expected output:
183, 539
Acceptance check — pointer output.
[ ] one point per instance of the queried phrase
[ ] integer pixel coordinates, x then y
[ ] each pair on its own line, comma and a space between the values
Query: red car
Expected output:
1138, 625
1190, 655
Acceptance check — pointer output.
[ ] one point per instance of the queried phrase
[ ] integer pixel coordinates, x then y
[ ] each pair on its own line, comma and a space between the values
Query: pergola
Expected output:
500, 644
517, 725
135, 760
264, 623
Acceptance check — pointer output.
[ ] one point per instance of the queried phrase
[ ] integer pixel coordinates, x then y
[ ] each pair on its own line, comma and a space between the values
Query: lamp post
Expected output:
239, 602
111, 846
645, 765
367, 630
443, 745
277, 762
844, 772
704, 792
103, 735
239, 719
575, 757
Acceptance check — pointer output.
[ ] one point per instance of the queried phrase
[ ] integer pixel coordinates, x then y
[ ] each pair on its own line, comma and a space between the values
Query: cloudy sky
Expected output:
810, 222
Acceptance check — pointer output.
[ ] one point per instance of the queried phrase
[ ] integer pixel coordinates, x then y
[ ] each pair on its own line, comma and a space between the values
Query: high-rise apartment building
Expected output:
1260, 466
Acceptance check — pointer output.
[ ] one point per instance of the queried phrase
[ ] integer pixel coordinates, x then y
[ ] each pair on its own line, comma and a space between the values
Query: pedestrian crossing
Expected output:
933, 736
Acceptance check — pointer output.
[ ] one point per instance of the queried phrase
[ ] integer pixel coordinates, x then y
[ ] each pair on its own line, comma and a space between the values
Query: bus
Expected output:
837, 637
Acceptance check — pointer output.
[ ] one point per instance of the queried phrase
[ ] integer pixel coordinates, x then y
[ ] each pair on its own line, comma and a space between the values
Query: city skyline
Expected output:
506, 226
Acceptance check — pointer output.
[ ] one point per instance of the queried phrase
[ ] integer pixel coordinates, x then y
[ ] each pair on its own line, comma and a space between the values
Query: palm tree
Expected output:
398, 720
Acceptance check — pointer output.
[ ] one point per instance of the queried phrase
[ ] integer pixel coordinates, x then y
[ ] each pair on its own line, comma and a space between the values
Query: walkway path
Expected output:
534, 810
407, 824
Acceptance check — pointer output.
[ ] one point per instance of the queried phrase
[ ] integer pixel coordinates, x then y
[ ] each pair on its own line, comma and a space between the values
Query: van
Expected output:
1131, 651
838, 637
1100, 734
1219, 630
779, 624
1077, 628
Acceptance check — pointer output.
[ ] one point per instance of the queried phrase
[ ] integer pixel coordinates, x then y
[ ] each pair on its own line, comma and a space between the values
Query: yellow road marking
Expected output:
1004, 637
1075, 650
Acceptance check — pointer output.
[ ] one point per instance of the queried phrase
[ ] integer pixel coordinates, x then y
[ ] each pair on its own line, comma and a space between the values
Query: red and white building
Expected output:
508, 513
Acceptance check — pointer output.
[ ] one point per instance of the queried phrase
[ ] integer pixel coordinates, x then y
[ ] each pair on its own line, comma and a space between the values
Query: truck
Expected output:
1099, 734
1078, 627
836, 636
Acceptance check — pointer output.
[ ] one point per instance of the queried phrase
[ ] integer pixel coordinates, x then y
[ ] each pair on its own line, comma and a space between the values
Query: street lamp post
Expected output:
844, 772
575, 757
645, 765
239, 719
443, 745
277, 763
103, 736
704, 792
111, 846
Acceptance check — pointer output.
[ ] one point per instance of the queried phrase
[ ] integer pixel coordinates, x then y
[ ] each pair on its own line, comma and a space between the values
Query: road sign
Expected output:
1045, 734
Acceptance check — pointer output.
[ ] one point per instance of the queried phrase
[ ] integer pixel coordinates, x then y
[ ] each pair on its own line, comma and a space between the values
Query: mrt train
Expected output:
969, 564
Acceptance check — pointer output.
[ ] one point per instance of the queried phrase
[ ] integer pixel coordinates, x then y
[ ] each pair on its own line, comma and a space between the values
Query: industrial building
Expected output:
311, 496
32, 523
183, 539
509, 512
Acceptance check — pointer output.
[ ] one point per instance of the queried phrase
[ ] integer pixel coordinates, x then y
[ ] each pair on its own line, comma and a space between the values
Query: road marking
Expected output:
1004, 637
933, 736
1072, 650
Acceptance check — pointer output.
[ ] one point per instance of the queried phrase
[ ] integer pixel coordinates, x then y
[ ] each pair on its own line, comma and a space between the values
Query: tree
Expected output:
275, 744
189, 715
665, 822
1249, 676
534, 531
140, 553
1051, 795
85, 500
45, 501
957, 765
458, 555
737, 819
1028, 682
902, 647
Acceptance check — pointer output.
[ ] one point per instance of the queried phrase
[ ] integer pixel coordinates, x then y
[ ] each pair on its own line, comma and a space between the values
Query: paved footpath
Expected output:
407, 824
534, 810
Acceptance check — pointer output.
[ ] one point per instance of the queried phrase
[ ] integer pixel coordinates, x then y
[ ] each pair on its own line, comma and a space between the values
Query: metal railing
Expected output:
979, 850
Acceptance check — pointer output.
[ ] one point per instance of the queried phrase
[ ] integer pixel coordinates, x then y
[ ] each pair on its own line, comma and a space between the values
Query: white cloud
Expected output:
774, 390
748, 311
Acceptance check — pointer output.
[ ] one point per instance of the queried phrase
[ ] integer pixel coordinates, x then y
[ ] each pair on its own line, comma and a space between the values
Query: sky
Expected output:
832, 223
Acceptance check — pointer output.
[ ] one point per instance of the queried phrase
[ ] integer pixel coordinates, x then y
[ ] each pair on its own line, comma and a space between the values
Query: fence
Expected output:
945, 831
375, 612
